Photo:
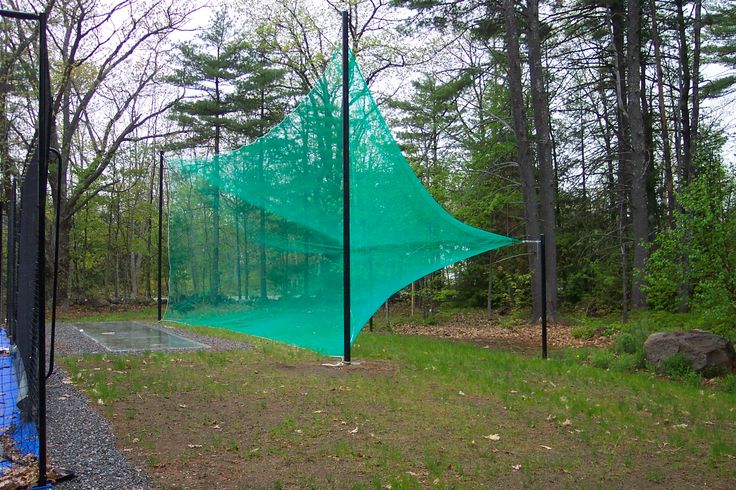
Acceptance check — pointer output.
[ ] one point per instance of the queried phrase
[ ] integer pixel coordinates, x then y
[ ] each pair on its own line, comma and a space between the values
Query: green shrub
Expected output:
676, 366
627, 343
728, 383
692, 378
590, 330
601, 359
629, 361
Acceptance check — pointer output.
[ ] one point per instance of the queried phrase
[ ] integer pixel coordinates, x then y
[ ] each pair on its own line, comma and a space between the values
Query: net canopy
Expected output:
256, 235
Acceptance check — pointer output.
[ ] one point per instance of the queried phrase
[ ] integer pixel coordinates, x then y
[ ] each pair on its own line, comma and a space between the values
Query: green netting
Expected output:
255, 236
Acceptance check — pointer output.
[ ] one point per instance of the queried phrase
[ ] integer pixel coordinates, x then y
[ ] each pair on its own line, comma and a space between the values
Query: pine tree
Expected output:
210, 68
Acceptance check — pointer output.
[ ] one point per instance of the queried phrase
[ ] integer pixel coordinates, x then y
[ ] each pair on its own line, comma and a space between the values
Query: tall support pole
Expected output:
44, 109
160, 225
1, 259
346, 187
55, 285
543, 288
11, 269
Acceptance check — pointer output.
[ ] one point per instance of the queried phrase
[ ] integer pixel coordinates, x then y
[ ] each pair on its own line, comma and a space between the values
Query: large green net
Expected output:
256, 235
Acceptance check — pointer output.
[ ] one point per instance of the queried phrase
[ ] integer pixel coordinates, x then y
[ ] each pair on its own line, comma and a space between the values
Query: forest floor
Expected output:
514, 335
417, 412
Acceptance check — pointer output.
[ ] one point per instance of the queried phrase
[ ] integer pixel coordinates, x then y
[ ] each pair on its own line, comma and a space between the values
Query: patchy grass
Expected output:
644, 322
417, 412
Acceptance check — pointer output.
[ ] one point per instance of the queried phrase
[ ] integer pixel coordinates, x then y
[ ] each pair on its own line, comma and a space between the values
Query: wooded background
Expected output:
602, 124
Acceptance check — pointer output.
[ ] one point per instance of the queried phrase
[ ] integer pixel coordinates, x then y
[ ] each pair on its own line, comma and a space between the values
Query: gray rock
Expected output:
708, 353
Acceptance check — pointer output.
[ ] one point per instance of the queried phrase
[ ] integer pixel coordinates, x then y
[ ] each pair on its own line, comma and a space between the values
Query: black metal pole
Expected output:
10, 273
1, 258
160, 225
346, 187
57, 225
543, 288
14, 14
44, 107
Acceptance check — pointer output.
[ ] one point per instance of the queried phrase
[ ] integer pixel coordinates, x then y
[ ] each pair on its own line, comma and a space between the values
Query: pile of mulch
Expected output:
518, 337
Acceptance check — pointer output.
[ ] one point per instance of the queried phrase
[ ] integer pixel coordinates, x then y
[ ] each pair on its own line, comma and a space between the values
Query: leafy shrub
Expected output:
590, 330
692, 378
728, 384
601, 359
676, 366
697, 251
627, 343
629, 361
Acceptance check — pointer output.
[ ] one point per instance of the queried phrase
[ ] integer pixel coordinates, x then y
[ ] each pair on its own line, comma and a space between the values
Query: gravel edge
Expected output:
81, 439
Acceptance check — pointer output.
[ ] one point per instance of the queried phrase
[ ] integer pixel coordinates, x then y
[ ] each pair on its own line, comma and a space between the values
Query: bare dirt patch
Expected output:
518, 337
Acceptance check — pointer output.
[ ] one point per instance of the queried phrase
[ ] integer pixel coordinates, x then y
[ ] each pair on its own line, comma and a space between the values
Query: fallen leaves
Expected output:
492, 437
476, 327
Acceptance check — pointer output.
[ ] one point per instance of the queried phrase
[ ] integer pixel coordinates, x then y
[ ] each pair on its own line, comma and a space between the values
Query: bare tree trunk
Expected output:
215, 281
582, 157
685, 169
650, 177
540, 104
639, 211
526, 169
694, 123
617, 22
669, 184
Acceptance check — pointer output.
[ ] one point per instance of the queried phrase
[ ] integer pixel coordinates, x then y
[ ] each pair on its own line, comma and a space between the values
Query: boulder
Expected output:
708, 353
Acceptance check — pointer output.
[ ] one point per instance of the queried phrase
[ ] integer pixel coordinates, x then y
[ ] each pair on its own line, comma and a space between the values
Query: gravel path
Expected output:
82, 440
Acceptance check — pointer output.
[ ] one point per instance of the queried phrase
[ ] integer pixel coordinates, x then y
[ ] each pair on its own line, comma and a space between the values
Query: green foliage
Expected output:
629, 362
590, 329
728, 384
601, 359
676, 366
697, 253
233, 86
720, 44
626, 343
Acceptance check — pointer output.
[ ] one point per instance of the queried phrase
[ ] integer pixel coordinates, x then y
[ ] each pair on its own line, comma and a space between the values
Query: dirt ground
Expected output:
279, 418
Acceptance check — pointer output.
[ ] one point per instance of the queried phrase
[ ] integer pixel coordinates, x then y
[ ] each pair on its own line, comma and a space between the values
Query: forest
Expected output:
604, 124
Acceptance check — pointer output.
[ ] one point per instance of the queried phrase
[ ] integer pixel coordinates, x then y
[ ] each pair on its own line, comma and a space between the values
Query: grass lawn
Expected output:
417, 412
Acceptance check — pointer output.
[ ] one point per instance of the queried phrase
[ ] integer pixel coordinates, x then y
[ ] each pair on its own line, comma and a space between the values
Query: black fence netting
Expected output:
20, 356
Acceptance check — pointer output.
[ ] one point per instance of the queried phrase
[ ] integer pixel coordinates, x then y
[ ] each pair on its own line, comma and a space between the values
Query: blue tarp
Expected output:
23, 434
